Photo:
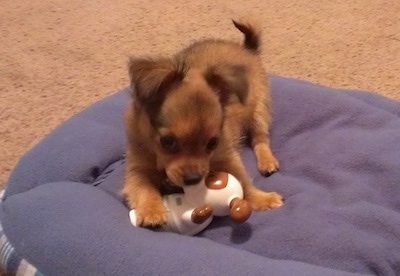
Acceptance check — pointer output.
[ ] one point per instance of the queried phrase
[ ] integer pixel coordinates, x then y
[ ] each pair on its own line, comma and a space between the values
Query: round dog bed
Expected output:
62, 212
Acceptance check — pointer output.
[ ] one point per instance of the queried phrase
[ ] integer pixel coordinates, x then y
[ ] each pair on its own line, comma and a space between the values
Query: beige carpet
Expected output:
56, 57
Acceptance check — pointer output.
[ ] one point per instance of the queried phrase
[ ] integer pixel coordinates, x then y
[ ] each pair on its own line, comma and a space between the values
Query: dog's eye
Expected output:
169, 143
212, 144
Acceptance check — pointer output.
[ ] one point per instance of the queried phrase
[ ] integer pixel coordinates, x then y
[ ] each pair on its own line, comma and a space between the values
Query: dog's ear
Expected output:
152, 78
227, 80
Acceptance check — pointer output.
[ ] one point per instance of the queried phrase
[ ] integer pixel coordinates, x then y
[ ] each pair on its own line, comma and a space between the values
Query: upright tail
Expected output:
252, 34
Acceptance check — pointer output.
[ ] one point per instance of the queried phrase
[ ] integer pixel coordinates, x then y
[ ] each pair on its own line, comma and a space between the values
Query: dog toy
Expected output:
190, 212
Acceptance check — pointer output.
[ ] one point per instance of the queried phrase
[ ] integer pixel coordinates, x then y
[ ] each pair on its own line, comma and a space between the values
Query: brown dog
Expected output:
187, 118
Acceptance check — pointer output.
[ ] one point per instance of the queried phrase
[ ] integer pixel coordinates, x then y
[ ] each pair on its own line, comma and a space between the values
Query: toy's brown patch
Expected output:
201, 214
217, 181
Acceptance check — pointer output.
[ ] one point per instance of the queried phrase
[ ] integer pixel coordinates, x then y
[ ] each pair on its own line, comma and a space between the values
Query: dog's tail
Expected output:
252, 34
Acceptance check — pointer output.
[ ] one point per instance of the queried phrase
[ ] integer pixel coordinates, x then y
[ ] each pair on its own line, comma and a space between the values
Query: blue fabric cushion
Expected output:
340, 157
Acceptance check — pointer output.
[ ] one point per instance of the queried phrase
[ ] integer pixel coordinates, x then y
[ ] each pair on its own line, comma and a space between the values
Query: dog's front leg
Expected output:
258, 199
143, 195
266, 161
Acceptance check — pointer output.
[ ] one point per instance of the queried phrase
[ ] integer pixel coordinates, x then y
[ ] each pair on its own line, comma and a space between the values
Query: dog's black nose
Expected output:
192, 178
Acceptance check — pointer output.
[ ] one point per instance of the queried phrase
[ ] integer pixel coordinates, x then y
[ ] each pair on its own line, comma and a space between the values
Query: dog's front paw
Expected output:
266, 162
259, 200
268, 166
151, 216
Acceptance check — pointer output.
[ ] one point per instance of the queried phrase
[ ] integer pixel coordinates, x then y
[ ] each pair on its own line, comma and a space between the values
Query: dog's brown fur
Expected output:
188, 116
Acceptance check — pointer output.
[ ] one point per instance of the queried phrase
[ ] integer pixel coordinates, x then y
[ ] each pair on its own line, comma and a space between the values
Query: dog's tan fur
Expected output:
188, 116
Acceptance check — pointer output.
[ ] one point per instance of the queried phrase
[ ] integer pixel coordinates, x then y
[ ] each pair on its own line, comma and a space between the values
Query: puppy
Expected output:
188, 116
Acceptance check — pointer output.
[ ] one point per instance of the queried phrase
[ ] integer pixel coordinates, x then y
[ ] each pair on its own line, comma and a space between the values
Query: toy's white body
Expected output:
181, 206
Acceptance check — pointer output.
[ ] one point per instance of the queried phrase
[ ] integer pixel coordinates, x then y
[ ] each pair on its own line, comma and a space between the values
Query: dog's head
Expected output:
185, 107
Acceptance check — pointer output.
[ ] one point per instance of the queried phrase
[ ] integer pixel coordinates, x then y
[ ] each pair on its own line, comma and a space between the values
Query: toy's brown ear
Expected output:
152, 78
240, 210
227, 80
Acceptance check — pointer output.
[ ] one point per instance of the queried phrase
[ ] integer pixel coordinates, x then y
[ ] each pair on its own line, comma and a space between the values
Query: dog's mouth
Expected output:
169, 187
187, 180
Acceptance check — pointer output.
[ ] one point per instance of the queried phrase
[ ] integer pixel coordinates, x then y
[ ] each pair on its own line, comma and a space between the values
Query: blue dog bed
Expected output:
62, 212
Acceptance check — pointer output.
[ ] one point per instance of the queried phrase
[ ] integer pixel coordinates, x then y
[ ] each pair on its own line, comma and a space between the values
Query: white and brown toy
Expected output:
219, 194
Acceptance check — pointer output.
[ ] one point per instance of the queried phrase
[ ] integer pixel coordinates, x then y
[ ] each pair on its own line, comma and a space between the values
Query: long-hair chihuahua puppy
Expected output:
188, 115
